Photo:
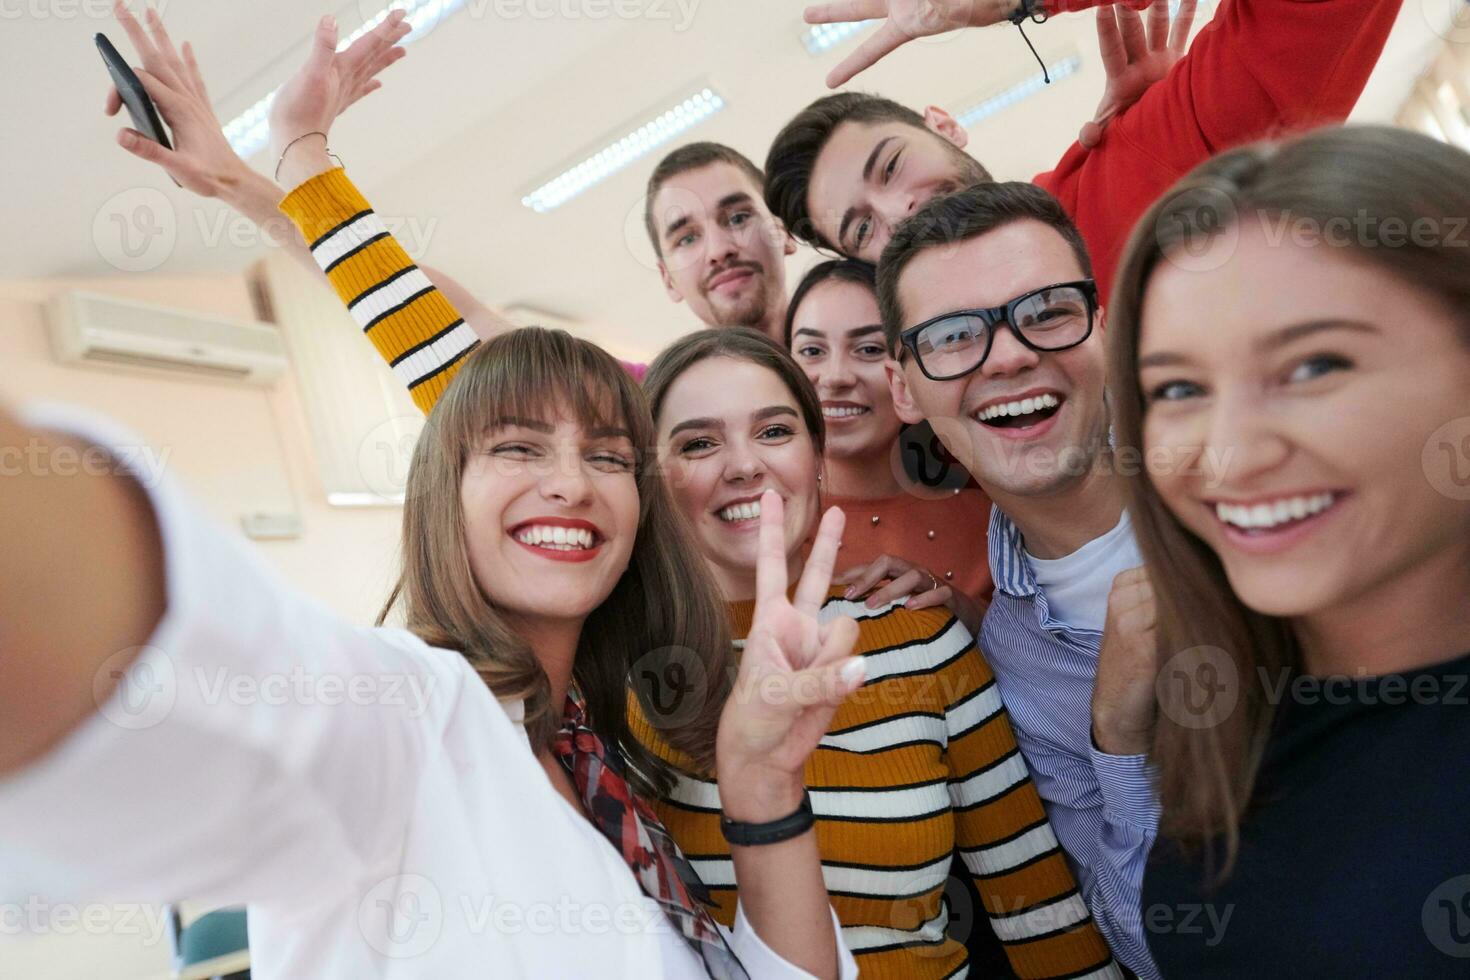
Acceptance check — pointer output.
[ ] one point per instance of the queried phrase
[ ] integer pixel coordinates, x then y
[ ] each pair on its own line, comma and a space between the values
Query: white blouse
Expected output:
380, 812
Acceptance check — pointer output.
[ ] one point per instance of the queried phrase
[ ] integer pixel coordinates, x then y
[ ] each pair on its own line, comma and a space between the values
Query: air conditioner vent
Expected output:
91, 329
123, 358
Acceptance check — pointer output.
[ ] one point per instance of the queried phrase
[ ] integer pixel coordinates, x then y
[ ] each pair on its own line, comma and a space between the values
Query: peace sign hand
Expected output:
794, 673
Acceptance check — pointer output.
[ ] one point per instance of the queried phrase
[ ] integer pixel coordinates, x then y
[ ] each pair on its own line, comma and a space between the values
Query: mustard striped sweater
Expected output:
920, 763
411, 324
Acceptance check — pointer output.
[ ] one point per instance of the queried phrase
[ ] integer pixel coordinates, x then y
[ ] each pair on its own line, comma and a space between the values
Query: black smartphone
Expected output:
134, 95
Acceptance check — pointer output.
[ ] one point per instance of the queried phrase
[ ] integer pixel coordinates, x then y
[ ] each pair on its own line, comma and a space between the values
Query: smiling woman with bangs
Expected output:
549, 419
516, 780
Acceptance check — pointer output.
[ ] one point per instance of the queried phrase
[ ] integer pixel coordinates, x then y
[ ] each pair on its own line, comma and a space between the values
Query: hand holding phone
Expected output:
130, 89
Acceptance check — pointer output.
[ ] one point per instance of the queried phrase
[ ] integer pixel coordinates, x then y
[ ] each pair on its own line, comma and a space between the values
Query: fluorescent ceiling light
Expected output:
824, 37
601, 164
1008, 97
249, 132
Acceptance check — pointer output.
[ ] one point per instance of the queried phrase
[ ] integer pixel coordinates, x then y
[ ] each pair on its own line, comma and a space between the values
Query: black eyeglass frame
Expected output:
993, 317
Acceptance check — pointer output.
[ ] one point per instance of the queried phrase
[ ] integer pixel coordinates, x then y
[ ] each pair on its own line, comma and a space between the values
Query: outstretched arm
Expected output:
402, 313
907, 20
1259, 69
203, 162
129, 619
64, 618
415, 328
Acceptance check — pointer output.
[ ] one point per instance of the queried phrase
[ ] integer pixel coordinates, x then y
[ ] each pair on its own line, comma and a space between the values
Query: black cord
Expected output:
1031, 10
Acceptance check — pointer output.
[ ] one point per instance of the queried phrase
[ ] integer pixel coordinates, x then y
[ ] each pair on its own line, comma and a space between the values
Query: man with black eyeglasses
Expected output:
990, 307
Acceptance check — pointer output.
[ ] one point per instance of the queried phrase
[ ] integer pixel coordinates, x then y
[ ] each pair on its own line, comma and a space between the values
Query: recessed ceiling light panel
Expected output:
639, 140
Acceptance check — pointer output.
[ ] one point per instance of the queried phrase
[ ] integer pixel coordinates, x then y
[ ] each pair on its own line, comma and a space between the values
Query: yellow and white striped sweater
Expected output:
920, 763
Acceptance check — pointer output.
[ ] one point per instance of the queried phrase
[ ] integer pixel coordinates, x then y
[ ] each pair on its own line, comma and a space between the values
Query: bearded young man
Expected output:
846, 170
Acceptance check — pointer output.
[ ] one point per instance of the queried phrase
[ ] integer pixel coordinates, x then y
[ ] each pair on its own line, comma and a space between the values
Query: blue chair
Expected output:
214, 946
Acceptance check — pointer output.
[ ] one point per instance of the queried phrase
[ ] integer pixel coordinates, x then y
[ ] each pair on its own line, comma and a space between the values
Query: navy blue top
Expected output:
1355, 856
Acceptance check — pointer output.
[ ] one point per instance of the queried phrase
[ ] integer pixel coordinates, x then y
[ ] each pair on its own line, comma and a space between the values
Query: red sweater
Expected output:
1260, 68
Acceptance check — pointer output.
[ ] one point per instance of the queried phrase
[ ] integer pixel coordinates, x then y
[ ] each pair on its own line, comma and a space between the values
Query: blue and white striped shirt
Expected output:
1102, 807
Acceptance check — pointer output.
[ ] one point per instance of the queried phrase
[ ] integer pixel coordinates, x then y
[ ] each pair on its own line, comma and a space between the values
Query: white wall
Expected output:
238, 450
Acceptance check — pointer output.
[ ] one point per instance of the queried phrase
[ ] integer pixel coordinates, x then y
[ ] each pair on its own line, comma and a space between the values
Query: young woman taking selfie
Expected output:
541, 555
940, 691
1291, 353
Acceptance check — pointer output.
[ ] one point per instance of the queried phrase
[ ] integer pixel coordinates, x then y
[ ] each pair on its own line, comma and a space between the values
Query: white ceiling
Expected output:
490, 104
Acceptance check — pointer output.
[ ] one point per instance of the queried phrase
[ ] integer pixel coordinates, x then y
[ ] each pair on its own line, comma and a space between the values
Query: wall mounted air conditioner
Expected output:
92, 330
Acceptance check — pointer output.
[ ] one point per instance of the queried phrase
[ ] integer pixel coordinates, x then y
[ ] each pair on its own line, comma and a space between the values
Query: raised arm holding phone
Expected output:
202, 161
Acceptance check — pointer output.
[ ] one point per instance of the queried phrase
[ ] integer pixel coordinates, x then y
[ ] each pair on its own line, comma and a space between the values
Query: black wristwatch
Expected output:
774, 832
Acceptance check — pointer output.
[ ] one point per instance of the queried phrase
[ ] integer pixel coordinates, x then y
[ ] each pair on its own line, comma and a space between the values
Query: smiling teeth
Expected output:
741, 512
555, 538
1275, 513
842, 413
1023, 407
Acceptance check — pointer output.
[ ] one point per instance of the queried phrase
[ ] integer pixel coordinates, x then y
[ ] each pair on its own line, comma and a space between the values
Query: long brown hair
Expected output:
1355, 177
666, 598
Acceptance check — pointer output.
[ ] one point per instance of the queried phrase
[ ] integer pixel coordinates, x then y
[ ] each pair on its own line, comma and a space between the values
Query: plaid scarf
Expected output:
653, 857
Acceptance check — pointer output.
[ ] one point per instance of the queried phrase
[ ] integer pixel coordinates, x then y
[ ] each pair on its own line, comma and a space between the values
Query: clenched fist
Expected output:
1124, 705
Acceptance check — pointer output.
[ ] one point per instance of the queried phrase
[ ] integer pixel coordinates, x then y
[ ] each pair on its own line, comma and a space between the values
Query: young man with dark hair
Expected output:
847, 169
990, 306
718, 247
